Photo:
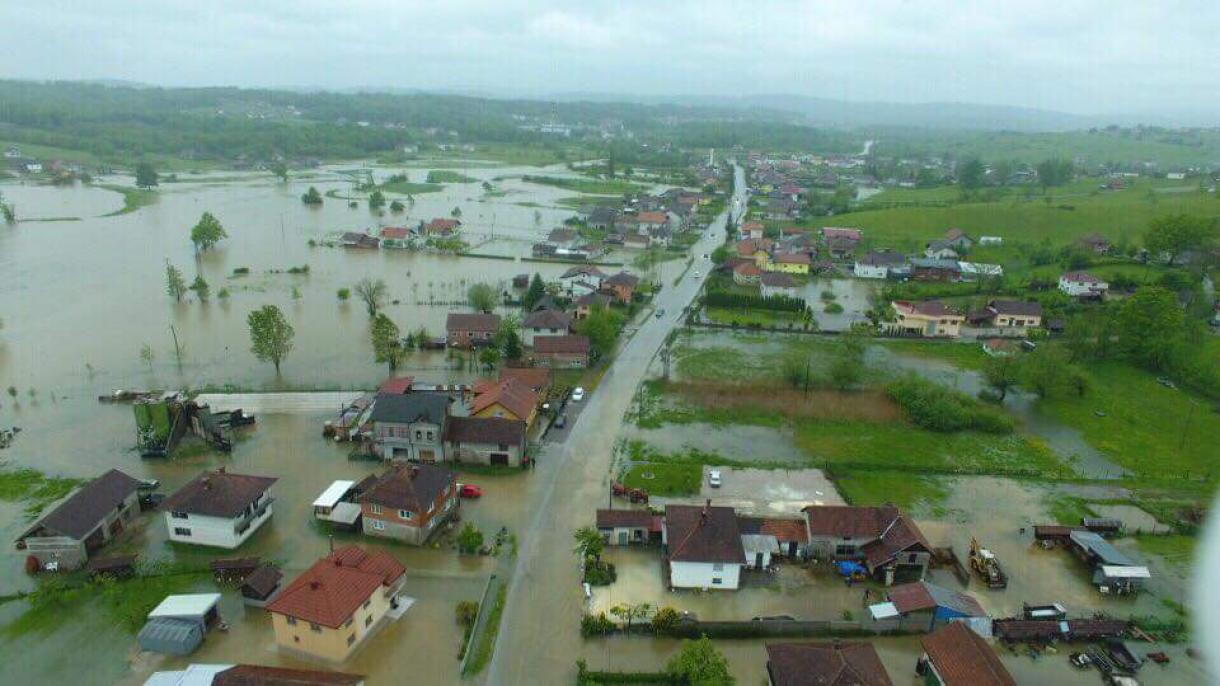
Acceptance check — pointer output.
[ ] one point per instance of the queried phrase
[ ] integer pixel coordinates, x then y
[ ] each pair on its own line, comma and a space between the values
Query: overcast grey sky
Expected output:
1087, 56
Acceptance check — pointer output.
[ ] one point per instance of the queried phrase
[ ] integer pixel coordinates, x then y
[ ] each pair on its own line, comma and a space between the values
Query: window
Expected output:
418, 434
378, 525
315, 627
296, 639
717, 581
181, 531
845, 550
351, 639
368, 620
430, 434
292, 621
178, 515
718, 567
376, 508
348, 622
912, 558
367, 603
404, 514
503, 446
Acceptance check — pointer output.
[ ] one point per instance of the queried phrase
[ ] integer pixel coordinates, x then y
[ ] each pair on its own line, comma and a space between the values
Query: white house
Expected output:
575, 281
703, 547
879, 264
991, 240
546, 322
777, 283
1082, 284
218, 509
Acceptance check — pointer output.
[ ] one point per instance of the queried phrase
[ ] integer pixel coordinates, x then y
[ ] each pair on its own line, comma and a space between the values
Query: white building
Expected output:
218, 509
880, 264
579, 280
1082, 284
703, 547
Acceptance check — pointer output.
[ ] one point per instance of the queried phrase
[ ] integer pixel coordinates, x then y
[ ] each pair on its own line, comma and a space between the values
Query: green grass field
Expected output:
1171, 149
753, 317
665, 479
588, 186
908, 491
962, 354
410, 187
133, 198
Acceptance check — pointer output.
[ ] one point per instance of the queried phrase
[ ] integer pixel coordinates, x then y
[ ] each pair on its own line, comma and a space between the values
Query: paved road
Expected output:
539, 636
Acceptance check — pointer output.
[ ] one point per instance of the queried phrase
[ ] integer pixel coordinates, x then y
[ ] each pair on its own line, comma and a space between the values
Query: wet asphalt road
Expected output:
539, 634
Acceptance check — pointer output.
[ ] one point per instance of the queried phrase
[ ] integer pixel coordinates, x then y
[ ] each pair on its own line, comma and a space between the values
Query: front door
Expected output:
622, 538
758, 560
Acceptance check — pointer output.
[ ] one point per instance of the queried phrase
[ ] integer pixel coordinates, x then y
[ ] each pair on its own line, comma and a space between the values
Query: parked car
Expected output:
660, 312
469, 491
697, 274
578, 394
713, 478
560, 421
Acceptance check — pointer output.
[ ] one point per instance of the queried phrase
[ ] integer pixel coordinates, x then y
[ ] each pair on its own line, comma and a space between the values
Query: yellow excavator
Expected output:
985, 564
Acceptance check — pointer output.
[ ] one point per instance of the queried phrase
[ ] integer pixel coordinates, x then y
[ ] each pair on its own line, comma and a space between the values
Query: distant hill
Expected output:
845, 114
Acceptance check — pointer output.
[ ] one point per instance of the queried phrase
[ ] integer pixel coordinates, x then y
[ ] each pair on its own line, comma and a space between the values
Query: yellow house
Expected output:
929, 319
507, 399
331, 609
788, 263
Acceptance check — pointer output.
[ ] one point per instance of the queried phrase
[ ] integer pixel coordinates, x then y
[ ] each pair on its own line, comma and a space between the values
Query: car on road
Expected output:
1167, 382
578, 394
707, 256
469, 491
560, 421
697, 274
660, 312
713, 478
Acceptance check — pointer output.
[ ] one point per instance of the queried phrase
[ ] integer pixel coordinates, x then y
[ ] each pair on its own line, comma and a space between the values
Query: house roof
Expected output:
941, 244
442, 225
622, 279
703, 534
900, 535
963, 658
263, 580
892, 531
405, 408
412, 487
218, 494
510, 394
883, 258
534, 378
575, 344
337, 585
185, 605
778, 280
922, 595
793, 258
611, 519
396, 384
548, 319
395, 232
829, 232
955, 234
81, 512
932, 263
927, 308
591, 299
258, 675
561, 235
653, 217
583, 270
1081, 277
489, 430
1099, 547
783, 530
825, 664
752, 226
747, 269
1019, 307
472, 321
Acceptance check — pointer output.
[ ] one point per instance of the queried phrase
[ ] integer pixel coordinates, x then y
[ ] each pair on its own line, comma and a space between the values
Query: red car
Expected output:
470, 491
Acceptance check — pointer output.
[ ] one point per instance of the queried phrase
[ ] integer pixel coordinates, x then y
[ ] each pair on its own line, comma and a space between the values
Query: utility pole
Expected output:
177, 349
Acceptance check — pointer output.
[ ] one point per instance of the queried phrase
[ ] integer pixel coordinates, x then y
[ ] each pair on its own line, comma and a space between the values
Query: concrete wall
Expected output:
327, 643
702, 575
480, 453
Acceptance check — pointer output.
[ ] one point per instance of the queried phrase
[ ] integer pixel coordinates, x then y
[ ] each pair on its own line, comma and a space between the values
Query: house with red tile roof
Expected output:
835, 663
439, 227
923, 606
465, 330
929, 319
1082, 285
332, 608
506, 399
489, 441
703, 547
747, 274
395, 236
537, 379
886, 541
957, 656
629, 527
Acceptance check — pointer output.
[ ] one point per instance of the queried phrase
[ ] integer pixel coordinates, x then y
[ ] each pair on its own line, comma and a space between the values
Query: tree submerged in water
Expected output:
312, 197
270, 335
207, 233
146, 175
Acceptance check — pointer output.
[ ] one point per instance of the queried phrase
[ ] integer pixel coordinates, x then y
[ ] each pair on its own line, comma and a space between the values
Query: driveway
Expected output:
538, 637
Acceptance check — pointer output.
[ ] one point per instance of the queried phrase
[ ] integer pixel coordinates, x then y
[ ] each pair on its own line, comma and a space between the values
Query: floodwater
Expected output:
739, 442
851, 294
80, 298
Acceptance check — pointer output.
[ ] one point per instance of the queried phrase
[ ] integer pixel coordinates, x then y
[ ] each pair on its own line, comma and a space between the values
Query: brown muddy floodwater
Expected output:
80, 298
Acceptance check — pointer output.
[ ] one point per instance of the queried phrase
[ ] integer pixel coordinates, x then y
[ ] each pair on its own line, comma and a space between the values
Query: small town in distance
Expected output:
335, 387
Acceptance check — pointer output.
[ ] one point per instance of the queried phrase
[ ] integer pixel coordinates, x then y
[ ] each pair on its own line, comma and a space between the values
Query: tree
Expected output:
372, 292
376, 200
146, 175
589, 543
1175, 234
279, 169
482, 297
970, 173
312, 197
270, 335
201, 288
1002, 171
387, 343
397, 207
1054, 172
207, 232
601, 327
175, 285
456, 213
847, 367
720, 255
535, 292
698, 663
1001, 374
1151, 326
489, 358
469, 539
507, 340
1046, 371
629, 612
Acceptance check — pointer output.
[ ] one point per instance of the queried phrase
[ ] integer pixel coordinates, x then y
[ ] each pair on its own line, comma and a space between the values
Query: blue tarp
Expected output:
848, 568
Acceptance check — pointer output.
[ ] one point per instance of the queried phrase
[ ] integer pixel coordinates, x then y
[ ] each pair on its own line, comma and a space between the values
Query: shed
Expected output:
170, 636
199, 608
261, 585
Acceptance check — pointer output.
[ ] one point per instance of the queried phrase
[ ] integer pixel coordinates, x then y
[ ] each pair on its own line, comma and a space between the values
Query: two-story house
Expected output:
471, 330
408, 502
410, 426
887, 542
1021, 314
582, 279
931, 319
491, 440
332, 608
703, 546
505, 399
621, 286
1082, 285
218, 508
545, 323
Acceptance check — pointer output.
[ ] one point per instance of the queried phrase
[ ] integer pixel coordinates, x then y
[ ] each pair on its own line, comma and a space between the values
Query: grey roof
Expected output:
487, 430
218, 494
1101, 548
928, 263
411, 407
883, 258
171, 636
547, 319
84, 509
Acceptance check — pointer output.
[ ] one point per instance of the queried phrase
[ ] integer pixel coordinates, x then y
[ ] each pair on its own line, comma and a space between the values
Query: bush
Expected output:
600, 573
936, 408
345, 293
775, 303
466, 612
469, 539
665, 619
991, 395
833, 308
241, 271
596, 625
